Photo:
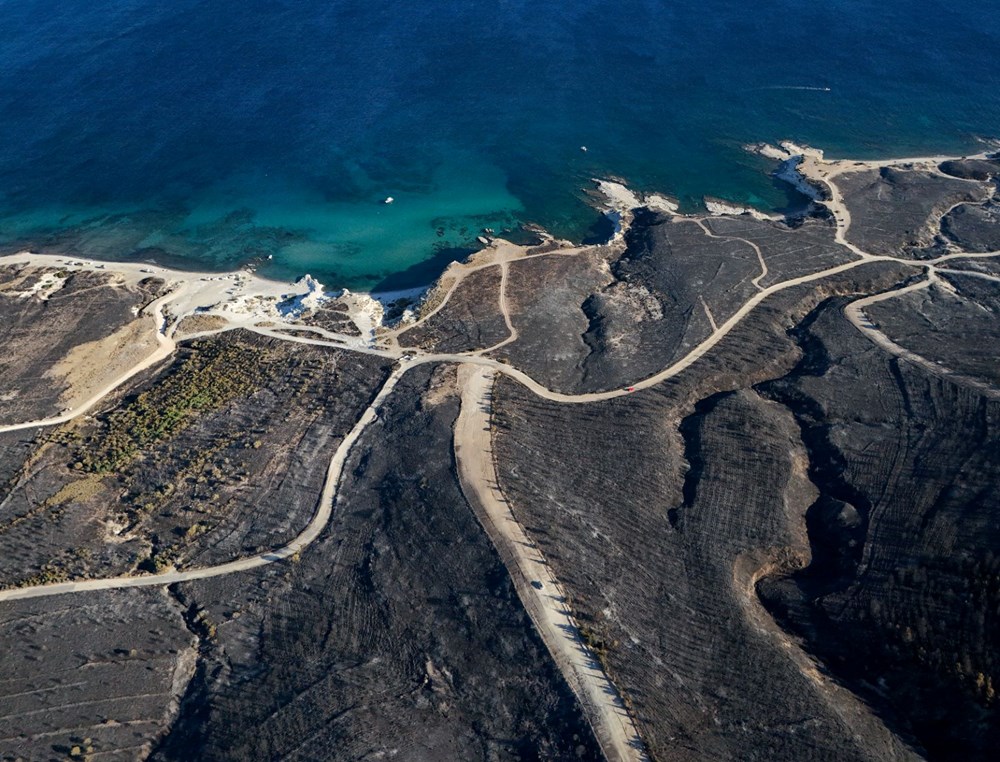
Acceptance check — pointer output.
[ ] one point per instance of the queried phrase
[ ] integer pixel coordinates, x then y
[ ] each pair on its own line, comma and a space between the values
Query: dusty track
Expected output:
534, 579
312, 530
855, 312
165, 348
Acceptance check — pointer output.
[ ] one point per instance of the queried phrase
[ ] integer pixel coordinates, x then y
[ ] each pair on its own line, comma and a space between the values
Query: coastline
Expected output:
244, 298
239, 296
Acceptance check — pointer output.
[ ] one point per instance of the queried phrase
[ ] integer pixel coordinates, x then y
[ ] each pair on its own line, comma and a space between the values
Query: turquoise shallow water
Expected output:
207, 134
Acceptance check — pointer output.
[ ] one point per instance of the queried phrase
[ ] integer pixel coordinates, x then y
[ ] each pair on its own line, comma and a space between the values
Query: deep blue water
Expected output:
212, 133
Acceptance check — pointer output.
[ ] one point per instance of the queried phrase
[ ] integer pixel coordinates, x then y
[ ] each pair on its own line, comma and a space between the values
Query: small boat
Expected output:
388, 200
583, 148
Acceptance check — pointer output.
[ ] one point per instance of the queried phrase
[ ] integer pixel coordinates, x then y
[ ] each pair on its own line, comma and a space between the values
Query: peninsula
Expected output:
721, 487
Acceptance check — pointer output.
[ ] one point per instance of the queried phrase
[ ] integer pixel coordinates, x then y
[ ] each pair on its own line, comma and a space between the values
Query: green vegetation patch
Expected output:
206, 379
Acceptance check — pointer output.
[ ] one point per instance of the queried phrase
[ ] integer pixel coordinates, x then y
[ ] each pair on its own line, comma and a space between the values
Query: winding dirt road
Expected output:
165, 347
324, 509
855, 312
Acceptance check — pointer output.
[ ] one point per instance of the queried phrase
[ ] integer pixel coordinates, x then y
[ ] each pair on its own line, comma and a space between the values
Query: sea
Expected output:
214, 134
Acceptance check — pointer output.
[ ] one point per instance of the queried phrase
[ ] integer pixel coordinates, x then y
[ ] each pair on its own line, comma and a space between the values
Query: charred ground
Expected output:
783, 544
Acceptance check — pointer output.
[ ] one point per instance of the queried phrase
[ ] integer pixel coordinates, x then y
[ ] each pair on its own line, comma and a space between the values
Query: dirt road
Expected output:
533, 578
324, 510
855, 312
